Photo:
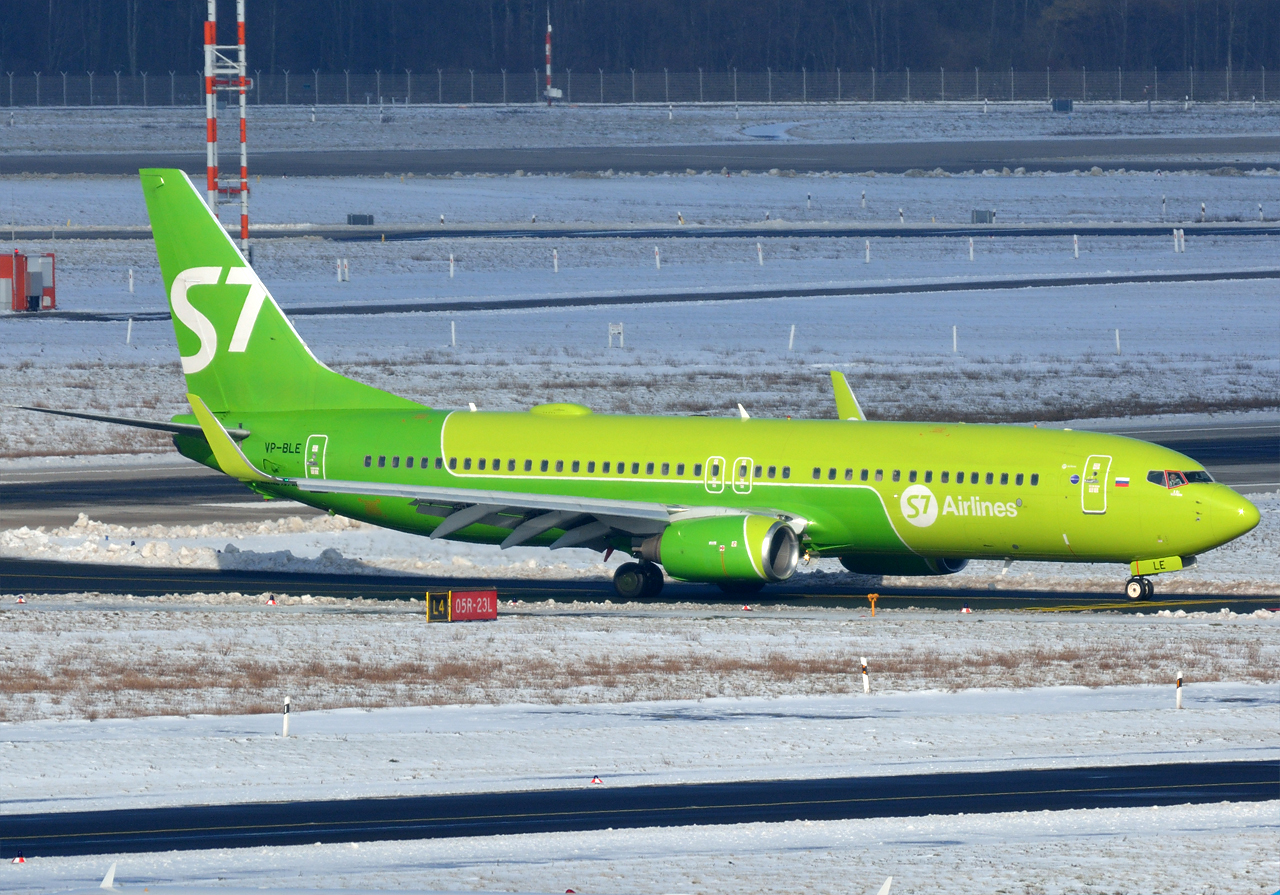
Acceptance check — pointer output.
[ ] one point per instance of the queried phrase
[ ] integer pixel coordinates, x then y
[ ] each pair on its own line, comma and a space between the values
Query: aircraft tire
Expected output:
1134, 589
630, 581
1148, 588
740, 587
653, 580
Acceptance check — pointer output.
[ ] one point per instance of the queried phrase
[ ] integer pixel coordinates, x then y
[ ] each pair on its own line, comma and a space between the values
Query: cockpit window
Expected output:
1173, 478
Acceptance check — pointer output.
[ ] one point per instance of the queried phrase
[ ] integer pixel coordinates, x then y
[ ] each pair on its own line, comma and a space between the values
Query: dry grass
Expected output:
102, 665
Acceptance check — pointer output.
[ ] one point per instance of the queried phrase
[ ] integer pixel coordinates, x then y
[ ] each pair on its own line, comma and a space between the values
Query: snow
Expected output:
276, 128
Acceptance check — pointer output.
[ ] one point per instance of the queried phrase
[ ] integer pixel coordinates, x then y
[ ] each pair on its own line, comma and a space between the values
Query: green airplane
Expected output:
734, 502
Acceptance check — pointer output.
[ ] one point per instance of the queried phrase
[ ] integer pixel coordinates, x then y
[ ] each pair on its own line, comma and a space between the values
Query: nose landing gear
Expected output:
1139, 589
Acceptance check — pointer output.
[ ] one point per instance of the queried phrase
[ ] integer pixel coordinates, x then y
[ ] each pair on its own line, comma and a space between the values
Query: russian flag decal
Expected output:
1122, 481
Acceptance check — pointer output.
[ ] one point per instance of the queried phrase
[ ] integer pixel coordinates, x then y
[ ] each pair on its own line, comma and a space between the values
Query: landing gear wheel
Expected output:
653, 580
630, 581
1148, 588
741, 587
1139, 589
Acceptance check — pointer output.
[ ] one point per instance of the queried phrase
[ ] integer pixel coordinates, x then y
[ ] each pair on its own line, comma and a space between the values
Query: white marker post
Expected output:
555, 261
866, 680
338, 264
760, 253
791, 342
867, 260
1117, 343
286, 717
902, 218
808, 201
1202, 212
1075, 245
657, 259
453, 333
131, 269
1179, 696
451, 266
954, 338
1175, 240
864, 198
1164, 206
970, 248
128, 333
1260, 217
346, 270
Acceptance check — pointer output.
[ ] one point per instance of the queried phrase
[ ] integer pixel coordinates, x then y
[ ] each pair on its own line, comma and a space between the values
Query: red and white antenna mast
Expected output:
548, 55
226, 68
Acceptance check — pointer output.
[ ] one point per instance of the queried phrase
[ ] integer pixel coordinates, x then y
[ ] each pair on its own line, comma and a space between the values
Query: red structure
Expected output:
226, 69
27, 282
549, 56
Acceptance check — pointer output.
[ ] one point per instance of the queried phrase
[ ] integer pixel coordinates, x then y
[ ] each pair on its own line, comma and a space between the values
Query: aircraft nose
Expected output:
1236, 514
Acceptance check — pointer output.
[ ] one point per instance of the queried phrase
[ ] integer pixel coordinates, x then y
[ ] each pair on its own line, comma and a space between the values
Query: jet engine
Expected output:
748, 548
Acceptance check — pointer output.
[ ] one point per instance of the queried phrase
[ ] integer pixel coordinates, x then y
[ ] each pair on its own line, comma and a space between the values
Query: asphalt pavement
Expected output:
1165, 153
601, 807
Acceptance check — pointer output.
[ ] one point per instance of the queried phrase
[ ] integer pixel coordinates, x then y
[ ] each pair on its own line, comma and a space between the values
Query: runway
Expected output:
603, 807
850, 290
1165, 153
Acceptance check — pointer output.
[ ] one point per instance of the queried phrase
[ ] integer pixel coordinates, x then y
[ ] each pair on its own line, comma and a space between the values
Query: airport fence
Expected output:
440, 87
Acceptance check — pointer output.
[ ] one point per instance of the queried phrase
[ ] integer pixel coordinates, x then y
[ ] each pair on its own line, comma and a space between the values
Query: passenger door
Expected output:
314, 456
742, 471
1093, 484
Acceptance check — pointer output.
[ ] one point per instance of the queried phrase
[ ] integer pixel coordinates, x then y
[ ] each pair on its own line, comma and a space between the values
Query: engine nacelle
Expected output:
901, 564
726, 548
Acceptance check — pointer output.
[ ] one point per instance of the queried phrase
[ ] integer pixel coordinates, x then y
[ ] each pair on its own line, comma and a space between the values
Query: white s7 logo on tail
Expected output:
199, 324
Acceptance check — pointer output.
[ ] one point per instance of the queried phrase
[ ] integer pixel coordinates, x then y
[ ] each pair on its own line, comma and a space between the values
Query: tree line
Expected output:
133, 36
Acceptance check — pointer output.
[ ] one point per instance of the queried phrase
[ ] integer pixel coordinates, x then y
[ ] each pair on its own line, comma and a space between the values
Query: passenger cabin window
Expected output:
773, 472
559, 466
831, 474
1035, 479
679, 469
497, 464
382, 461
528, 465
817, 472
990, 478
759, 471
848, 475
511, 466
480, 465
786, 472
543, 466
591, 466
973, 478
466, 462
697, 469
879, 475
604, 467
945, 476
715, 469
368, 459
911, 476
666, 469
453, 462
408, 462
1017, 480
742, 471
897, 475
576, 466
635, 468
395, 462
928, 476
863, 475
1004, 478
648, 469
440, 462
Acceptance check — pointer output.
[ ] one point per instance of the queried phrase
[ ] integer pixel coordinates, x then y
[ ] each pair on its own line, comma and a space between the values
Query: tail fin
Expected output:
239, 351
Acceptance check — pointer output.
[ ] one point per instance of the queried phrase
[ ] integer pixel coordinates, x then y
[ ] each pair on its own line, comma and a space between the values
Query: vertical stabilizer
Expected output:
239, 351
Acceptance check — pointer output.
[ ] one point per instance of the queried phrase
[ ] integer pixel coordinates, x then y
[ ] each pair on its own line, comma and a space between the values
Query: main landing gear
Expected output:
1139, 589
638, 580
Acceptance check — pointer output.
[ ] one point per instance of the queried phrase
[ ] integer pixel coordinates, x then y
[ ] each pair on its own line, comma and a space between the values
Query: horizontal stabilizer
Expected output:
847, 406
231, 459
175, 428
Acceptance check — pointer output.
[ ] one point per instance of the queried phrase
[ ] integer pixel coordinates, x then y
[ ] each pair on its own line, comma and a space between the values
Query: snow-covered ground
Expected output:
1220, 849
273, 128
96, 656
702, 198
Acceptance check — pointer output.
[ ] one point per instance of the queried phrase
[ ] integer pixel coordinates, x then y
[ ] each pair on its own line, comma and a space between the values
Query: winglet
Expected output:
884, 890
847, 406
231, 459
109, 881
742, 413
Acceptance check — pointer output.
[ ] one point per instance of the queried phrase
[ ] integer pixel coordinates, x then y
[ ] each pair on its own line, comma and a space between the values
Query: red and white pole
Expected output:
548, 55
244, 146
211, 106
